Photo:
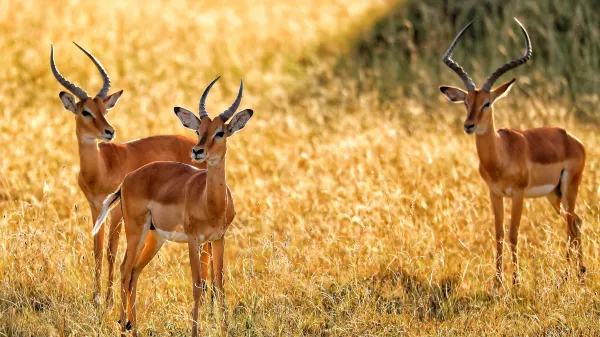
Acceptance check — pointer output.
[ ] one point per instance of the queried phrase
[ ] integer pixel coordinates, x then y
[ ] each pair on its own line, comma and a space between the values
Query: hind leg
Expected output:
98, 254
151, 246
570, 188
135, 231
113, 243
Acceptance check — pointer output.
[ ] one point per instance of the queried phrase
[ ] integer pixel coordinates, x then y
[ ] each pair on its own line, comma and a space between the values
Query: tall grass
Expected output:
358, 212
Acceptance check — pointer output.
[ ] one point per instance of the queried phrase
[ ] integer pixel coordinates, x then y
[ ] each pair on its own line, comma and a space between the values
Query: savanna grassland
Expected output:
360, 211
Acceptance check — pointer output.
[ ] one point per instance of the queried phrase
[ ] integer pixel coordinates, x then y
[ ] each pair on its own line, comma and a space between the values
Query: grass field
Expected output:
360, 208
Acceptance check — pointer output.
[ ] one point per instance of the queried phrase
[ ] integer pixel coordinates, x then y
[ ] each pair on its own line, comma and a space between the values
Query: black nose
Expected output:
108, 132
469, 128
201, 151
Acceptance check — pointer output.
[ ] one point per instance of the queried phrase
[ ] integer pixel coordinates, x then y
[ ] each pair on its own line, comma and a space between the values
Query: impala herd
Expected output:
175, 188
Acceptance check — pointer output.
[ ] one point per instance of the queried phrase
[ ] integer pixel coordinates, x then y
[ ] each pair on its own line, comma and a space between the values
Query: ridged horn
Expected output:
202, 107
512, 64
105, 79
77, 91
225, 115
455, 66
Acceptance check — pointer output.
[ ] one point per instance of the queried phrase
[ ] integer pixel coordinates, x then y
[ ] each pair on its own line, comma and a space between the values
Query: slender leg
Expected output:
498, 209
574, 222
218, 250
197, 283
113, 243
151, 246
134, 231
98, 252
515, 221
555, 201
204, 266
123, 296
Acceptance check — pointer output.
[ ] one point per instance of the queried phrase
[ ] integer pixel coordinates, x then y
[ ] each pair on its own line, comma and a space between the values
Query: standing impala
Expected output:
177, 202
519, 164
104, 166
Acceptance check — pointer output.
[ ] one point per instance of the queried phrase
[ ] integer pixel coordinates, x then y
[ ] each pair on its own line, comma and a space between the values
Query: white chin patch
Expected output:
213, 161
88, 139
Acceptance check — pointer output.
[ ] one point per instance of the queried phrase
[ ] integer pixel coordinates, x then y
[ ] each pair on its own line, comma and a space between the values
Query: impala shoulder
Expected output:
511, 135
110, 150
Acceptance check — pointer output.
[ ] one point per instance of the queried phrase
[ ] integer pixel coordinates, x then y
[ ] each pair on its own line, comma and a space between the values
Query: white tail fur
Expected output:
107, 205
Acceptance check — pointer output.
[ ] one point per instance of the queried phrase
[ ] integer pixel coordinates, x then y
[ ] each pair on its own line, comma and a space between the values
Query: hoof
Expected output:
128, 325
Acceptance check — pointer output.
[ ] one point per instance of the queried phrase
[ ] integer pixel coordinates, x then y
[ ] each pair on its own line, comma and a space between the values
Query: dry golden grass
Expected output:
355, 217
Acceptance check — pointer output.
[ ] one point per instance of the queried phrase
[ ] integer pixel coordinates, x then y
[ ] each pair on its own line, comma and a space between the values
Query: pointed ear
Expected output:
68, 101
453, 94
239, 121
111, 101
187, 118
502, 90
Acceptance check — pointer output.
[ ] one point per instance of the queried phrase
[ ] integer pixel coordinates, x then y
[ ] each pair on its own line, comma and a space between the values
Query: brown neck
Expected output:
216, 189
89, 157
488, 146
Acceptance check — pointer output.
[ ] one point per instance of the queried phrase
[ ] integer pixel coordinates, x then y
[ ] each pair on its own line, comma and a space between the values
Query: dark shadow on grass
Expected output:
425, 300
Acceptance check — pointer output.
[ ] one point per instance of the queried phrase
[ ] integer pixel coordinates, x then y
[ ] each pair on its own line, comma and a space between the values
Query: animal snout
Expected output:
197, 151
109, 132
469, 127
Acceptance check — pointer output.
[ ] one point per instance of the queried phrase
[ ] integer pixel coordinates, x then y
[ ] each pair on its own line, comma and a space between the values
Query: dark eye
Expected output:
486, 105
219, 134
85, 113
198, 132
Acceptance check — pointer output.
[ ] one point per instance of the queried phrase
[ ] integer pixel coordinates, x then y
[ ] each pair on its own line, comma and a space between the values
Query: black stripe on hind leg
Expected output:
557, 190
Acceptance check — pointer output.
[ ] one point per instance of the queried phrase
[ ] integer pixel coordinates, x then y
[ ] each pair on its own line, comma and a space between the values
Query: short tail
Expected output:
107, 205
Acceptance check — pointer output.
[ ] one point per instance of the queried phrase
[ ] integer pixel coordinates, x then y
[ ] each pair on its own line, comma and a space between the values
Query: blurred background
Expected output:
360, 209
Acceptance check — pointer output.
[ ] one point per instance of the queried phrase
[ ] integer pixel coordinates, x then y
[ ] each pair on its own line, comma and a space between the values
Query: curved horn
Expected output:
77, 91
455, 66
512, 64
225, 115
202, 108
106, 80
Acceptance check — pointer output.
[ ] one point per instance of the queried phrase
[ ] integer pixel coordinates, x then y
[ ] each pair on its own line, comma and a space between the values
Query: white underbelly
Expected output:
539, 191
173, 236
530, 192
182, 237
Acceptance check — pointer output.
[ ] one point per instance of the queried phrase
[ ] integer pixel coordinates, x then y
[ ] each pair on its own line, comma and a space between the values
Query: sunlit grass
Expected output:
356, 215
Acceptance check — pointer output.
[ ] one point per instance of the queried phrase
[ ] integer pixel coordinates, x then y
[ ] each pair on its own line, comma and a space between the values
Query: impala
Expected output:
104, 166
177, 202
519, 164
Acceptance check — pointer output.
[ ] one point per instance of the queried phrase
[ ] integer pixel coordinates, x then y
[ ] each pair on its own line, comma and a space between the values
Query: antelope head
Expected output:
213, 133
90, 113
478, 102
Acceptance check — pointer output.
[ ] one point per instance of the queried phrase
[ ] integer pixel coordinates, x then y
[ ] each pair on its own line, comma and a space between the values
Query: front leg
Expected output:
197, 282
98, 254
515, 221
498, 209
218, 250
114, 232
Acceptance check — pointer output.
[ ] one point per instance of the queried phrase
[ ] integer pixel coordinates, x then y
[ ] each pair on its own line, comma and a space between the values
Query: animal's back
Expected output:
548, 145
